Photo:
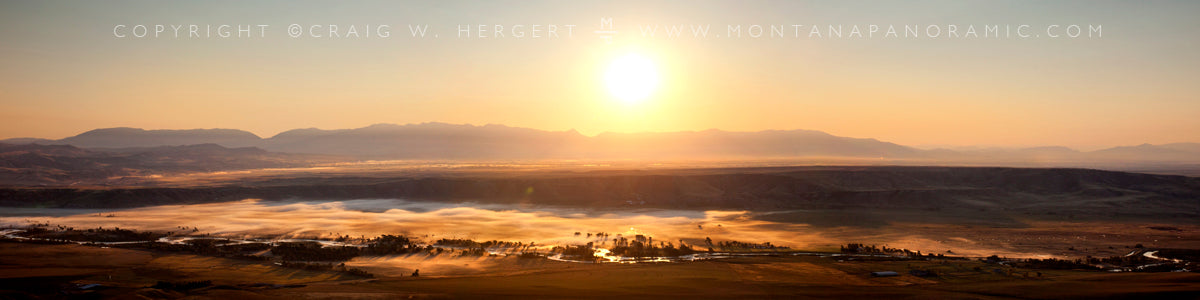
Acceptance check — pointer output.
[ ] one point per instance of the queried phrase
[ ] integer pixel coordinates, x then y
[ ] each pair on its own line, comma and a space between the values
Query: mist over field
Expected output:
550, 226
321, 219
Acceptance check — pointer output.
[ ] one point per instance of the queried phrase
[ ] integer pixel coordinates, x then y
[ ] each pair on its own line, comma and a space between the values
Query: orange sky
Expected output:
64, 72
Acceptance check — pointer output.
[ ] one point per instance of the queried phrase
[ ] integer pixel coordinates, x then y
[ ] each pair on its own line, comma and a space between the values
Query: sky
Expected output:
70, 66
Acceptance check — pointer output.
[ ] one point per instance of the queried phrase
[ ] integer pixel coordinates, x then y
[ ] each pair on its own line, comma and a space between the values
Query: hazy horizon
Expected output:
916, 146
71, 67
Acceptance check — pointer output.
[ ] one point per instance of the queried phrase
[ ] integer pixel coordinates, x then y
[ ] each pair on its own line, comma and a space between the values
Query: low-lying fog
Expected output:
430, 221
425, 220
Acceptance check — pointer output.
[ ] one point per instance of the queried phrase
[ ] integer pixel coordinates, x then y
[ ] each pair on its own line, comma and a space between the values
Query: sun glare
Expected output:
631, 78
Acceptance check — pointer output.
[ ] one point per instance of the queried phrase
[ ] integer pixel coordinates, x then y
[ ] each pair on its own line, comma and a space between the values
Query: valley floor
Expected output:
55, 271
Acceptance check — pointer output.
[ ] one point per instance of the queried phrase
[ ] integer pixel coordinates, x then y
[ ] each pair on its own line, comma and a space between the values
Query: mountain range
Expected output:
34, 164
470, 142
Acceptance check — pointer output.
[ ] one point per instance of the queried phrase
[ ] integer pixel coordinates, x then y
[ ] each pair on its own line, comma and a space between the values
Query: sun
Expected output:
631, 78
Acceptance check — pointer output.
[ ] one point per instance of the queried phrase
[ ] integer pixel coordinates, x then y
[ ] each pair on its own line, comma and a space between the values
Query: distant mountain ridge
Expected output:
462, 141
124, 137
454, 141
428, 141
33, 164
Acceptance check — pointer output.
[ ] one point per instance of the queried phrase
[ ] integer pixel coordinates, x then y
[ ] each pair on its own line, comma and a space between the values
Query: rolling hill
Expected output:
441, 141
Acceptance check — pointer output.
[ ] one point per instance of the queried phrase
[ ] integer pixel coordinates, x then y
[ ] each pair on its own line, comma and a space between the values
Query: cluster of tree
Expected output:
1053, 263
736, 245
462, 243
893, 253
530, 254
41, 242
872, 249
598, 235
641, 247
208, 242
473, 252
393, 244
465, 243
348, 239
1131, 260
390, 244
500, 244
1130, 263
296, 251
359, 273
185, 229
474, 248
584, 252
99, 234
213, 247
286, 252
312, 251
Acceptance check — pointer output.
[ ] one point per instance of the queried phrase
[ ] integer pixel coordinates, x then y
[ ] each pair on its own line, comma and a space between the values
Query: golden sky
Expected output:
64, 71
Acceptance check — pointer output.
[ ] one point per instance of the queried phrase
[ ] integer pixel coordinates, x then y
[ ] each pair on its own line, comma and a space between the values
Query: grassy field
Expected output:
39, 270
